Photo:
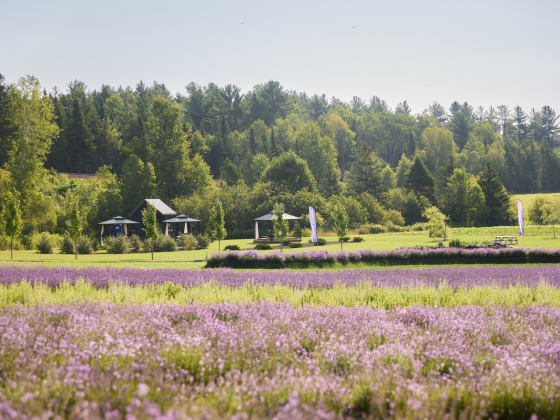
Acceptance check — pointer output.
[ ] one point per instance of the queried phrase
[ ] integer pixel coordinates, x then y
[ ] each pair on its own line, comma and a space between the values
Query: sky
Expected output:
481, 52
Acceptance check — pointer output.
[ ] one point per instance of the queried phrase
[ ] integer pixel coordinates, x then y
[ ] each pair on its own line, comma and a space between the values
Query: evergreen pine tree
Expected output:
365, 173
252, 142
79, 140
411, 146
420, 181
330, 185
274, 149
496, 196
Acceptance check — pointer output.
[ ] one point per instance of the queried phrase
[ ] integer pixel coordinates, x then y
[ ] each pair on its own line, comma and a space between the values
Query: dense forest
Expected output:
252, 149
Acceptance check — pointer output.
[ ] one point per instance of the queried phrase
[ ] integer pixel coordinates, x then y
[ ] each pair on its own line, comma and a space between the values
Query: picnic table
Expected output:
505, 239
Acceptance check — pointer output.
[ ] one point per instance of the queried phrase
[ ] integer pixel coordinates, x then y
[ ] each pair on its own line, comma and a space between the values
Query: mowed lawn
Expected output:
195, 259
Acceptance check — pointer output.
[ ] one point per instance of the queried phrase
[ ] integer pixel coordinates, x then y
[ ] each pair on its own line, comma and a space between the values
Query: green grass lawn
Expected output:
194, 259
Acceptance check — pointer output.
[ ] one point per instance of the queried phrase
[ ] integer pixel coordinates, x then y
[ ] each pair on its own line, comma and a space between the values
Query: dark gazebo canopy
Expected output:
268, 217
119, 220
180, 219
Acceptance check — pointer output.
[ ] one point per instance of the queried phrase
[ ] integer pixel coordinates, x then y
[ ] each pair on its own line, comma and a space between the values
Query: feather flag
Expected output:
313, 223
520, 216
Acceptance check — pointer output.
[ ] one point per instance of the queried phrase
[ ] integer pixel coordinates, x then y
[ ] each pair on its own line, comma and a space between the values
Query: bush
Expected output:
285, 242
147, 245
232, 247
187, 242
345, 239
165, 244
297, 230
117, 245
84, 245
357, 239
375, 229
203, 241
418, 227
67, 246
321, 241
391, 227
262, 247
134, 243
455, 243
305, 232
44, 244
296, 244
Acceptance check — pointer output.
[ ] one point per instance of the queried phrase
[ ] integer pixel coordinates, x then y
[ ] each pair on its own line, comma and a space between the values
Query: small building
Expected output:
163, 212
270, 238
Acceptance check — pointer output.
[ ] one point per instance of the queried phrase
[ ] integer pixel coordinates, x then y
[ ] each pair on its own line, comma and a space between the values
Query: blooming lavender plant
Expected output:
248, 258
266, 360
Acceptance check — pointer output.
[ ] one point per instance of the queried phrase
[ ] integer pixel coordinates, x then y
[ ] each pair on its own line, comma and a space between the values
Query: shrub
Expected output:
262, 247
165, 244
44, 244
285, 242
321, 241
296, 244
345, 239
203, 241
134, 243
117, 245
147, 245
375, 229
391, 227
67, 246
455, 243
357, 239
232, 247
305, 232
187, 242
297, 230
84, 245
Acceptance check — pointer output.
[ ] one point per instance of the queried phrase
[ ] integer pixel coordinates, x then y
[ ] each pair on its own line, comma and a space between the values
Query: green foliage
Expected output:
165, 244
44, 244
147, 245
67, 246
117, 245
84, 245
463, 200
365, 174
150, 222
419, 180
340, 222
436, 222
262, 247
537, 210
357, 239
321, 241
203, 241
552, 214
187, 242
232, 247
289, 173
134, 243
295, 245
280, 226
218, 223
11, 216
455, 243
230, 172
496, 197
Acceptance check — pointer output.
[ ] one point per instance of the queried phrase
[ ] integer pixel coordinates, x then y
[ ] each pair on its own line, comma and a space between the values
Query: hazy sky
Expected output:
483, 52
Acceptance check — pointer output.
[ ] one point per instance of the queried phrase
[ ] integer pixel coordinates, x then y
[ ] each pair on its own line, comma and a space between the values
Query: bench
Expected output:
506, 239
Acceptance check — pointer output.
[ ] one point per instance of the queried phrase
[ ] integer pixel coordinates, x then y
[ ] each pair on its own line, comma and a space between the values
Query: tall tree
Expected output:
12, 218
461, 123
35, 130
550, 125
496, 197
520, 123
419, 180
218, 224
8, 127
289, 173
149, 219
279, 225
340, 219
80, 140
365, 174
167, 146
74, 225
437, 111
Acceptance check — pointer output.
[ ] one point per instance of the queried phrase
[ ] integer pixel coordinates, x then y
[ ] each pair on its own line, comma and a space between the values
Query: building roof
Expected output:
119, 220
268, 217
160, 206
181, 219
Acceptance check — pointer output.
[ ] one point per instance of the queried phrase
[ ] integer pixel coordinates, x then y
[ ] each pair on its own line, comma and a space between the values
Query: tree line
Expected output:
266, 145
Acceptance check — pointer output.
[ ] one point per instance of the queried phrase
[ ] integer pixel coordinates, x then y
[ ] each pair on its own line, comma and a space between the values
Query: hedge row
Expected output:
252, 259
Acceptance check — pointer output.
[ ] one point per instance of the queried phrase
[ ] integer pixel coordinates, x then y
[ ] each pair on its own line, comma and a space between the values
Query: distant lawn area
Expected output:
195, 259
528, 199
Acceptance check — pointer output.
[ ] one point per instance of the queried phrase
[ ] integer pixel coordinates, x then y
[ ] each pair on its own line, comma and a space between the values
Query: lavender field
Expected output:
455, 342
267, 360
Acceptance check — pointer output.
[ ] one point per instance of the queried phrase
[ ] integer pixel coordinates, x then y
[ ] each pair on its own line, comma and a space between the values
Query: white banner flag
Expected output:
313, 223
520, 216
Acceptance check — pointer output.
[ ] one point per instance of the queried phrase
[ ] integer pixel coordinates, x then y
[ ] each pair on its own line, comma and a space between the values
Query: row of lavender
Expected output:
316, 257
502, 276
276, 361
